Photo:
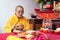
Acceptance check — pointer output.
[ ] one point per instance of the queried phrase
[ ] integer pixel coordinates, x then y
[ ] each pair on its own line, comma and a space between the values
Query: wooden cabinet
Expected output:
55, 24
35, 24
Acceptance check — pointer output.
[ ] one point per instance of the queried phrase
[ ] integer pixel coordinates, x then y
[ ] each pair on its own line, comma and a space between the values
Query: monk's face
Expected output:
19, 11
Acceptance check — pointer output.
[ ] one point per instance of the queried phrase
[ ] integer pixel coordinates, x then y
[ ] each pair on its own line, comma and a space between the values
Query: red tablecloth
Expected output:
53, 36
3, 36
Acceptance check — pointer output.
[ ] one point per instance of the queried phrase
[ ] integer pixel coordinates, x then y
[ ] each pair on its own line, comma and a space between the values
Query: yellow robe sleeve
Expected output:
11, 37
27, 26
7, 27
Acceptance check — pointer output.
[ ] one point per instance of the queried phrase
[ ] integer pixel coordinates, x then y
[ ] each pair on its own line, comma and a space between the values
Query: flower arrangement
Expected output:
57, 7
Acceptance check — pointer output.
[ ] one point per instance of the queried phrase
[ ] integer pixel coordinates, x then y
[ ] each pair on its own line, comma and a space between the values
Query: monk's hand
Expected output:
13, 27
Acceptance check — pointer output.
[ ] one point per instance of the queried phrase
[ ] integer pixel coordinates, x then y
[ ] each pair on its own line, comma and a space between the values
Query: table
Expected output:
3, 36
53, 36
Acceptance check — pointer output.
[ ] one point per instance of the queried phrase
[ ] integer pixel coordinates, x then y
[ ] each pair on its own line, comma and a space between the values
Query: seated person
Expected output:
17, 18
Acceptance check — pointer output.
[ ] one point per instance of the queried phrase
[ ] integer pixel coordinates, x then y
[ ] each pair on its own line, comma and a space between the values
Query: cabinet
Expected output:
35, 24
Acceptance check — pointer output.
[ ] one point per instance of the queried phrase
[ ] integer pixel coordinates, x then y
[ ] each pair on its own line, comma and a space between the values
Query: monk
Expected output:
17, 18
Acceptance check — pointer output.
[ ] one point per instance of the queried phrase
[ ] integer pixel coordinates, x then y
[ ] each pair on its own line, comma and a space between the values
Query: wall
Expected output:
7, 9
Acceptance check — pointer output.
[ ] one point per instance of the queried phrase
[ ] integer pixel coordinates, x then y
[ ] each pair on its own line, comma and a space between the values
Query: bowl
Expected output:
33, 16
45, 30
